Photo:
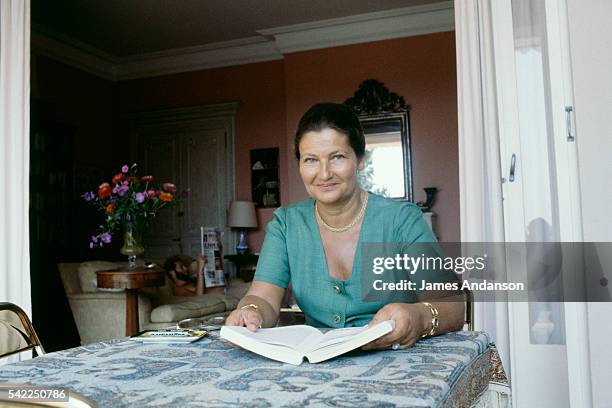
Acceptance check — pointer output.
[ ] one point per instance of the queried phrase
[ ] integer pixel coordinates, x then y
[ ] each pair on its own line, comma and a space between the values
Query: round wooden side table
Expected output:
131, 280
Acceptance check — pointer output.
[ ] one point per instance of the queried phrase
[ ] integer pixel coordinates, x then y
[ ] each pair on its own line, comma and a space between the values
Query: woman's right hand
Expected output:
249, 318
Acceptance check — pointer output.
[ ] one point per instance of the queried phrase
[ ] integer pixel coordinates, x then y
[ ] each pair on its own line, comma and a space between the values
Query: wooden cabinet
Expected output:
193, 148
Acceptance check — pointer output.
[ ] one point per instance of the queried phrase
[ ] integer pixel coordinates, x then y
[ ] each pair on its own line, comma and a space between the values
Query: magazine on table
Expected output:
170, 335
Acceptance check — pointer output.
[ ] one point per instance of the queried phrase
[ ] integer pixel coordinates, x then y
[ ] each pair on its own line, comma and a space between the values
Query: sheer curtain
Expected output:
480, 175
14, 152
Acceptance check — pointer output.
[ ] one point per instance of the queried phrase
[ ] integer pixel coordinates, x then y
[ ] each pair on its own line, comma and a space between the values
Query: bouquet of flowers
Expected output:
128, 201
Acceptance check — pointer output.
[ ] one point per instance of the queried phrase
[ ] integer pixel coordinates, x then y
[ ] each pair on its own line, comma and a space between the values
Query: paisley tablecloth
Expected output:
450, 370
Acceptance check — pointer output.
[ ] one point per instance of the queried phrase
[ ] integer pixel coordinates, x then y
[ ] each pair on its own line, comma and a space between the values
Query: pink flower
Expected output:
151, 194
147, 179
125, 168
169, 187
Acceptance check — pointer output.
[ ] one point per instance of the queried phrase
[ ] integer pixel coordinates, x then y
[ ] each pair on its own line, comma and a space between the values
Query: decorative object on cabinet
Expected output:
430, 194
265, 181
386, 126
242, 216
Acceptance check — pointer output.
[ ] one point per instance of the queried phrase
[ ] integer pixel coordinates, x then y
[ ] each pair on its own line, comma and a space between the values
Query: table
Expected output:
131, 280
450, 370
245, 265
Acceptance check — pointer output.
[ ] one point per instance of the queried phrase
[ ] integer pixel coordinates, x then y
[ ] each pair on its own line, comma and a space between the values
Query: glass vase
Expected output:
132, 244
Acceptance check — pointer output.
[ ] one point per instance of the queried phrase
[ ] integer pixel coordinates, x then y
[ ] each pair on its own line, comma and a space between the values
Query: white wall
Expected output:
591, 55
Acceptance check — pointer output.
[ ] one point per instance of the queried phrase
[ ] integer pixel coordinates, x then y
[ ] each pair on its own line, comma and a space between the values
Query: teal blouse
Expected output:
293, 252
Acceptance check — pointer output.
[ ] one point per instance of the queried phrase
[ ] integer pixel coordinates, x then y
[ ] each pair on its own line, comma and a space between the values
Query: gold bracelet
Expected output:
435, 322
250, 306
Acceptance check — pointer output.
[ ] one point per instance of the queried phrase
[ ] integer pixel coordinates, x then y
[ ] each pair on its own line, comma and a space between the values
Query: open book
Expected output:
290, 344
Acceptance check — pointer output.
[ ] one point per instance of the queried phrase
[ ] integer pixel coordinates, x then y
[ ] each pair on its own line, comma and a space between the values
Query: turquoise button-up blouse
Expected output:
293, 252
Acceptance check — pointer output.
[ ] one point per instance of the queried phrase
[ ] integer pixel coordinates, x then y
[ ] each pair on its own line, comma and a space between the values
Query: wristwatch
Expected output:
252, 306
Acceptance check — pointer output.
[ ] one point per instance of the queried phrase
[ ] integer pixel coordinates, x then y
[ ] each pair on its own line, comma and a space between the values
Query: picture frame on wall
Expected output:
265, 180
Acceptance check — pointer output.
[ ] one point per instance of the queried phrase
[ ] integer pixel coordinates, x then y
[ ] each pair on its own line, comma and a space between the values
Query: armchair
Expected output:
100, 314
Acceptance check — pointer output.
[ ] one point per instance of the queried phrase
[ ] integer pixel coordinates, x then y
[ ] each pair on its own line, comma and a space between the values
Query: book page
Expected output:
340, 343
296, 337
339, 336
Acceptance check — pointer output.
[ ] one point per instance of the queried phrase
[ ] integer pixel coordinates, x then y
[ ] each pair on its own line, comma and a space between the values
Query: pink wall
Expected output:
260, 121
273, 96
422, 70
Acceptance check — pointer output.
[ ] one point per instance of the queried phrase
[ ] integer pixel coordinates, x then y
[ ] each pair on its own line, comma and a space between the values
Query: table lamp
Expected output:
242, 216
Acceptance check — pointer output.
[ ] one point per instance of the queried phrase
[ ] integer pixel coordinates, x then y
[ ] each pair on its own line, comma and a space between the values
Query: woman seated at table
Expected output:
315, 244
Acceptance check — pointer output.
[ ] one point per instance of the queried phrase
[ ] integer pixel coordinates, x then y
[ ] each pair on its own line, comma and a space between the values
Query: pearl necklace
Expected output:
347, 227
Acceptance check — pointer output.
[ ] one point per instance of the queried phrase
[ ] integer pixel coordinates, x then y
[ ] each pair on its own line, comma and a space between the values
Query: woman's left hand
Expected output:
410, 322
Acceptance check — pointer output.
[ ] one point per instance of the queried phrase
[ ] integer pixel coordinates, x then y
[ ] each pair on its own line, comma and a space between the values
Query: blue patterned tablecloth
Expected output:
215, 373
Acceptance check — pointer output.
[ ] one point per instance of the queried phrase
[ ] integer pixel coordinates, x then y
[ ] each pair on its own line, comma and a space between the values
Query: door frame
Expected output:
569, 199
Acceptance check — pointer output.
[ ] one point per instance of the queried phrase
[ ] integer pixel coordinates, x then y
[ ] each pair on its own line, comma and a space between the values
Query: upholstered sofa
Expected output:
100, 314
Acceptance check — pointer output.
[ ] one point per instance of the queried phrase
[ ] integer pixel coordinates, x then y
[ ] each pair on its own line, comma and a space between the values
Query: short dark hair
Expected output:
169, 265
334, 116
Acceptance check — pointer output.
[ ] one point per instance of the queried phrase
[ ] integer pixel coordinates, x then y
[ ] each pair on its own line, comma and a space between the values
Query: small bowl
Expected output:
190, 323
215, 321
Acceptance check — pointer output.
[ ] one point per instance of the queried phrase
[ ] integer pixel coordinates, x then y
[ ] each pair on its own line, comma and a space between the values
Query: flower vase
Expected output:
132, 246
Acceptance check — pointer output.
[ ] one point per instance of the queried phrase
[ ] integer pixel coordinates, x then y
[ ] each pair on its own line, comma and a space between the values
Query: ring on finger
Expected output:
395, 346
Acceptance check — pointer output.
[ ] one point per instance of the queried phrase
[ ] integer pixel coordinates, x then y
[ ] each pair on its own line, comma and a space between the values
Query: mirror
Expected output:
386, 126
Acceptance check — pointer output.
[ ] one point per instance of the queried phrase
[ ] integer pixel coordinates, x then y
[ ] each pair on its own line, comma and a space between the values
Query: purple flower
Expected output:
94, 239
106, 238
123, 188
140, 197
125, 168
88, 196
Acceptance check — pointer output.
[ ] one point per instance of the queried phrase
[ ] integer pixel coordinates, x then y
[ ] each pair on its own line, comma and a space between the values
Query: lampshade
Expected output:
242, 215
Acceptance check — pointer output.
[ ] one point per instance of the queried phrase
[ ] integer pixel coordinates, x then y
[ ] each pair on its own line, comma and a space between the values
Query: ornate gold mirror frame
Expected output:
384, 116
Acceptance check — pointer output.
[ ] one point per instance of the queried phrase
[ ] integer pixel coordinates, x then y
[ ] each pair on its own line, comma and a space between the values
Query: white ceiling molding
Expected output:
221, 54
74, 53
382, 25
272, 44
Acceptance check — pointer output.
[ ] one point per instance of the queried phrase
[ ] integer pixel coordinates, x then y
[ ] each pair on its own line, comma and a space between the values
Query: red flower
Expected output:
104, 191
169, 187
165, 197
151, 194
118, 178
147, 179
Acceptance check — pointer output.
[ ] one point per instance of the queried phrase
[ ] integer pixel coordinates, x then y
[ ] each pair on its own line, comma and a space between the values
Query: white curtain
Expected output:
15, 152
480, 175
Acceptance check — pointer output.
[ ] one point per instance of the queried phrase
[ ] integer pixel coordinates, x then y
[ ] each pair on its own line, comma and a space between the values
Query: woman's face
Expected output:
328, 166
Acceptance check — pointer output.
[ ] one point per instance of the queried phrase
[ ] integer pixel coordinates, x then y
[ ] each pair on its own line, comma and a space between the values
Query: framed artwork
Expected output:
265, 180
